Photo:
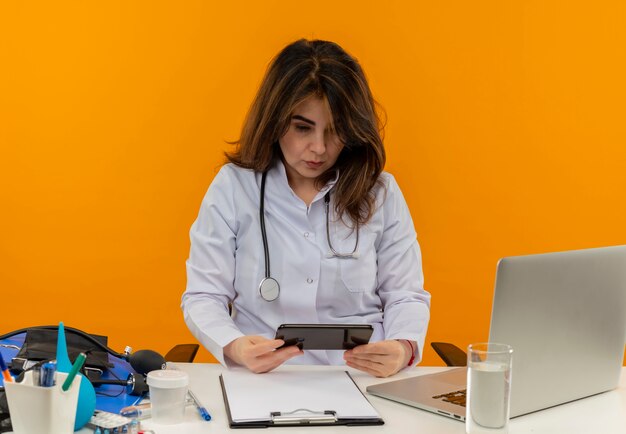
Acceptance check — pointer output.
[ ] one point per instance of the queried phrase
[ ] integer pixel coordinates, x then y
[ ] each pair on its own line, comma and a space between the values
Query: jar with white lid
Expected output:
168, 395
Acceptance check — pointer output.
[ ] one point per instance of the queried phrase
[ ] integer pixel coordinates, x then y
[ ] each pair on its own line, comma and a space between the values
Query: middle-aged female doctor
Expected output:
303, 226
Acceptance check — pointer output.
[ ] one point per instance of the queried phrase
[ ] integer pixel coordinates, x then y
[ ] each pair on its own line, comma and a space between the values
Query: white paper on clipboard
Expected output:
253, 397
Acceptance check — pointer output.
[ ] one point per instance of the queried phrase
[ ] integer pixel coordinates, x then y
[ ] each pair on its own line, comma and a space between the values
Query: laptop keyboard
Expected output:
457, 397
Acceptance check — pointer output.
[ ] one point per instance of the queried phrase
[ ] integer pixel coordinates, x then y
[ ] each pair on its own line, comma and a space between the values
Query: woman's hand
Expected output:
380, 359
259, 354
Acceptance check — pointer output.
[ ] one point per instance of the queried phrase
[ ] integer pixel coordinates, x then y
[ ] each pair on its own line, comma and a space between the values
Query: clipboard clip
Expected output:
303, 416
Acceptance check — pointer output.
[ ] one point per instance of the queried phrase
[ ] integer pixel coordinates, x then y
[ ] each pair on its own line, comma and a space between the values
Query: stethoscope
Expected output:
269, 287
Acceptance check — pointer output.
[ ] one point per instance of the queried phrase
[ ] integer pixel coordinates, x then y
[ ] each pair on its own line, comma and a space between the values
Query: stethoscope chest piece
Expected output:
269, 289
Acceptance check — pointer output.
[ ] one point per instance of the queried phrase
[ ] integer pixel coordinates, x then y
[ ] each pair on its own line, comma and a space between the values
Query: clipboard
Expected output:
295, 398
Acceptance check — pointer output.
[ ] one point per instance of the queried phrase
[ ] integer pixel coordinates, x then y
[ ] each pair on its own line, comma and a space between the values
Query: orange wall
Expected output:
506, 132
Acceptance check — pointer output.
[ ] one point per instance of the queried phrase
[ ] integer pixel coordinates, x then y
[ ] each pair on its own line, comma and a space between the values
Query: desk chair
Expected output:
450, 353
184, 353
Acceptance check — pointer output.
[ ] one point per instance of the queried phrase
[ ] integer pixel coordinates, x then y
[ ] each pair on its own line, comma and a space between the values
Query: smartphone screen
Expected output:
325, 336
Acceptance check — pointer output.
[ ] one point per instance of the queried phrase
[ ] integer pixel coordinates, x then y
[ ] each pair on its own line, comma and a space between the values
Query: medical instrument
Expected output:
269, 287
78, 363
333, 252
5, 371
47, 373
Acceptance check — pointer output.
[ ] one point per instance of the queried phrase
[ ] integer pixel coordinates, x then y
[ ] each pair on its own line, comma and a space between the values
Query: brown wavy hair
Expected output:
322, 69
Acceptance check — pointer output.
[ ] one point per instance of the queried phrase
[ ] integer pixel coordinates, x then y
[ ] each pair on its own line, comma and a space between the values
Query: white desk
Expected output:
604, 413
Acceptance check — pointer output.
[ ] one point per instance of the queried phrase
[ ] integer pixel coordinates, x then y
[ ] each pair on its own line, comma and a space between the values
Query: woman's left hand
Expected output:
380, 359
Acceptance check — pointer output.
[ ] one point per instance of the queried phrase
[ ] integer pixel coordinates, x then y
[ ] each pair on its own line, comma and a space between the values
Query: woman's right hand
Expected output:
260, 354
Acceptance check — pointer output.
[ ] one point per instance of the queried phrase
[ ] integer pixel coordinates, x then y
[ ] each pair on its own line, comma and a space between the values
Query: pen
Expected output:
78, 363
5, 371
203, 412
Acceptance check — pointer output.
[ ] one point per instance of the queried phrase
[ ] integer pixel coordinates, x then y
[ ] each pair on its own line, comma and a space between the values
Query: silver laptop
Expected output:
563, 313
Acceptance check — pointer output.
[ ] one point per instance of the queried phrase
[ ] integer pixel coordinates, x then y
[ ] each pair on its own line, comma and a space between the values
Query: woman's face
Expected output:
309, 146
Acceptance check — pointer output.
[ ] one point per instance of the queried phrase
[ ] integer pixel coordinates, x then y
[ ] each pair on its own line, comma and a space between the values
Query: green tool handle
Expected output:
78, 363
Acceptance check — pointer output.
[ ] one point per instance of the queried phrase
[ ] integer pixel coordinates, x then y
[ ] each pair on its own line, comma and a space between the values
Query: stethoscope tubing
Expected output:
269, 288
266, 250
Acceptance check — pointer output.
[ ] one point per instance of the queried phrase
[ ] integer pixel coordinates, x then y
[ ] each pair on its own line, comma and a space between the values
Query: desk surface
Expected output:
604, 413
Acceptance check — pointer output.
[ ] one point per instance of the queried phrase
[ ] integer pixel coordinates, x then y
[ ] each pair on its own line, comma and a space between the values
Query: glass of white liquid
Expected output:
488, 388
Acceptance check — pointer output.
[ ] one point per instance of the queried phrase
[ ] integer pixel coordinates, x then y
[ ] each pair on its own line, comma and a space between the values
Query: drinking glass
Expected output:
488, 388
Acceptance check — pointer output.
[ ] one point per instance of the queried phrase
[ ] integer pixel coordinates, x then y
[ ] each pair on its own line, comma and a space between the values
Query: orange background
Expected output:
506, 131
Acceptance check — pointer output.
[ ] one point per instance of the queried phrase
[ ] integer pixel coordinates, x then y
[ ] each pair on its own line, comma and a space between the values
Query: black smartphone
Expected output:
325, 336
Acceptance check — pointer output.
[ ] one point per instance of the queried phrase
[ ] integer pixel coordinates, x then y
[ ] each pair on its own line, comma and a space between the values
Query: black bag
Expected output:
40, 344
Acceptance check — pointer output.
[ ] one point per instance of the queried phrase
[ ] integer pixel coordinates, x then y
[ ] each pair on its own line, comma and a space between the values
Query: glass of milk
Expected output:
488, 388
